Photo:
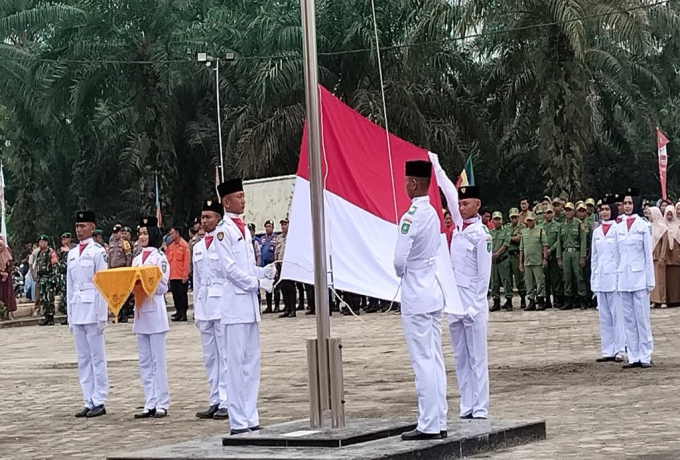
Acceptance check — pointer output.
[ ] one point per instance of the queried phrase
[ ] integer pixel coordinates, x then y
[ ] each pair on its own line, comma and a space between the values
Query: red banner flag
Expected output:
661, 142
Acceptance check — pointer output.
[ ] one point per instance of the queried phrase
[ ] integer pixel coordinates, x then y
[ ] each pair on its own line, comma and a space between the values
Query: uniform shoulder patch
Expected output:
405, 226
412, 209
164, 266
485, 229
488, 242
220, 236
106, 258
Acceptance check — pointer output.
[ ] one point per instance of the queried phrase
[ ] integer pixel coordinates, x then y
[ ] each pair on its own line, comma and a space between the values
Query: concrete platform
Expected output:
465, 438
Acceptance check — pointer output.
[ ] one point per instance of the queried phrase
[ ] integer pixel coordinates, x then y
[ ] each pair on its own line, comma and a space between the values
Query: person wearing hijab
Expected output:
151, 324
7, 280
670, 250
658, 225
635, 280
604, 258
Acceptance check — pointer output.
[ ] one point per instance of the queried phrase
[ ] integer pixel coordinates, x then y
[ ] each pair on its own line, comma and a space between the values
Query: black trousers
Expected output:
288, 292
276, 295
301, 295
180, 297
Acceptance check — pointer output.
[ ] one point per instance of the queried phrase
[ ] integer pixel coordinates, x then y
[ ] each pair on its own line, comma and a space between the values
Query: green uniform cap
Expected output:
548, 209
530, 216
514, 212
98, 232
497, 214
44, 238
581, 205
557, 200
590, 201
67, 235
127, 229
569, 205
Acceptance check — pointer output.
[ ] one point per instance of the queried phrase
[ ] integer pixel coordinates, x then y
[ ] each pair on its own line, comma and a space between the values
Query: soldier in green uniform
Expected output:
62, 263
46, 262
558, 208
582, 215
532, 251
513, 253
590, 213
552, 271
500, 264
571, 257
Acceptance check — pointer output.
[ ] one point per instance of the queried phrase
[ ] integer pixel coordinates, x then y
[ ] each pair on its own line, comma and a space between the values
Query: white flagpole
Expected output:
3, 229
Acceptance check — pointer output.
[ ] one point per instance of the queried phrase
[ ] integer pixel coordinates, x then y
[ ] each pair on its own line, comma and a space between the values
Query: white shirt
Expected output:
604, 259
152, 316
415, 255
209, 280
636, 268
85, 304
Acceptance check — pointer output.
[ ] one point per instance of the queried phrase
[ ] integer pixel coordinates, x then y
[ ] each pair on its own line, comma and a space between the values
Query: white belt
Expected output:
420, 264
211, 281
85, 286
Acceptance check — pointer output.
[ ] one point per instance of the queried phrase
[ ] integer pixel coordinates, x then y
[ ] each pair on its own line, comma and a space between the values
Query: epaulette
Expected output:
412, 209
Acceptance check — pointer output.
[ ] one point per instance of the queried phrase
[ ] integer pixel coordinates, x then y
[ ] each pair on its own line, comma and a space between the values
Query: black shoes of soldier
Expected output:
47, 321
267, 310
507, 305
65, 322
416, 435
496, 305
531, 306
310, 312
146, 414
221, 414
540, 304
96, 411
212, 410
522, 302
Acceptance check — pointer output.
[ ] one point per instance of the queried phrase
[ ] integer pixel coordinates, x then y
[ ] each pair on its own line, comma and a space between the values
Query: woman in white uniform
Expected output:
151, 324
605, 261
635, 280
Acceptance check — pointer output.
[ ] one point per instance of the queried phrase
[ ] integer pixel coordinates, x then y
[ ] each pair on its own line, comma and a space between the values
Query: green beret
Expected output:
127, 229
98, 232
67, 235
44, 237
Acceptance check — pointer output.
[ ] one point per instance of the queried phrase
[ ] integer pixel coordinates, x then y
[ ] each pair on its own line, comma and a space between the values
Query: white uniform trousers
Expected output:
91, 355
242, 342
214, 359
635, 306
423, 334
468, 341
153, 370
612, 332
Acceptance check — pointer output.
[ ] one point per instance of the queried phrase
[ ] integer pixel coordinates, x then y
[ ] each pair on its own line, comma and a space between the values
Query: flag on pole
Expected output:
467, 176
362, 185
3, 230
158, 205
217, 181
661, 142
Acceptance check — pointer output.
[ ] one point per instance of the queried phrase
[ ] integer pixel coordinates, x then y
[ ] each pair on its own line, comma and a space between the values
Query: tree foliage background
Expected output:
97, 97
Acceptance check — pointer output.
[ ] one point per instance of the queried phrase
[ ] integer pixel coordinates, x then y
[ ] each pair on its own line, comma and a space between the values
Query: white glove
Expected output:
267, 284
434, 158
270, 271
101, 326
470, 316
71, 328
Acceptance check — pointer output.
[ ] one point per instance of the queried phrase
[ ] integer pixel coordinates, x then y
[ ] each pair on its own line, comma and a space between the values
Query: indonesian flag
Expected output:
661, 142
364, 199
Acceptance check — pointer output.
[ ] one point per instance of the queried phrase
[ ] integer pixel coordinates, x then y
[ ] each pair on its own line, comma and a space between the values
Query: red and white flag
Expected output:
661, 142
364, 199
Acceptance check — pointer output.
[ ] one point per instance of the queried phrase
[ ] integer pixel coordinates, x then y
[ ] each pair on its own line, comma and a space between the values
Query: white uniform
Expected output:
208, 298
635, 282
151, 326
604, 262
471, 260
87, 316
422, 300
240, 317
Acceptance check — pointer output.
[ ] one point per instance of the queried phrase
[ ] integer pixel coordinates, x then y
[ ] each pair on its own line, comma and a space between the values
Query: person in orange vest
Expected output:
178, 253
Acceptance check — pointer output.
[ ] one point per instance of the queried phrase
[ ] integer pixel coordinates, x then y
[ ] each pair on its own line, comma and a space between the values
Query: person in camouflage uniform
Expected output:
62, 263
47, 279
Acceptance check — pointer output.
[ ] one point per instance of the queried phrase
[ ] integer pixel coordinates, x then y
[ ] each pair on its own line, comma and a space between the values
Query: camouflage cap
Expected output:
581, 205
514, 212
530, 216
569, 205
590, 201
557, 200
497, 215
548, 209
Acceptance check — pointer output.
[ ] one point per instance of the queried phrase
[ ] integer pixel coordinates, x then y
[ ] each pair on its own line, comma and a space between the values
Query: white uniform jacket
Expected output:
237, 260
604, 259
636, 268
152, 316
85, 304
209, 280
415, 258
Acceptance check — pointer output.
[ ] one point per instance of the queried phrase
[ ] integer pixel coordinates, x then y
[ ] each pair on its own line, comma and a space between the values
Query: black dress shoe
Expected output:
443, 434
416, 435
466, 417
285, 315
310, 312
83, 412
618, 359
632, 365
254, 428
479, 418
160, 413
64, 323
208, 413
646, 365
175, 319
97, 411
267, 310
605, 359
245, 430
221, 414
146, 414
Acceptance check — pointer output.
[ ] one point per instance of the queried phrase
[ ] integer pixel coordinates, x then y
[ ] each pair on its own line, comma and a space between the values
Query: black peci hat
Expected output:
468, 191
230, 186
85, 217
148, 222
418, 168
631, 191
212, 205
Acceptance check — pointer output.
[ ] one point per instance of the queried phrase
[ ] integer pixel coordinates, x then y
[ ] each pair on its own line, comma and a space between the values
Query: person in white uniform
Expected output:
635, 280
208, 297
422, 301
87, 316
604, 263
151, 324
471, 259
240, 309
